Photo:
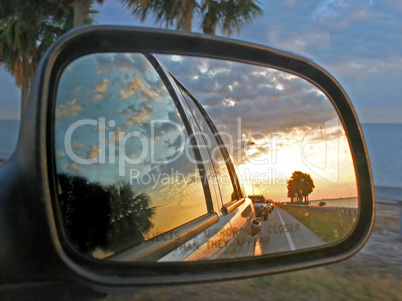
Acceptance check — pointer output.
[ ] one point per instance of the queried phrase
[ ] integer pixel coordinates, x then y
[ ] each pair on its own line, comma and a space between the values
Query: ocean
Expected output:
384, 144
8, 137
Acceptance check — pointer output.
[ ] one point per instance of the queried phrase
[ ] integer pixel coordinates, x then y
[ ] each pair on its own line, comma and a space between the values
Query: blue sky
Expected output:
359, 42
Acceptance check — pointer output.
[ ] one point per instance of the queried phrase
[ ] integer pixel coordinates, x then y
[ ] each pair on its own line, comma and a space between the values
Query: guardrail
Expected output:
340, 210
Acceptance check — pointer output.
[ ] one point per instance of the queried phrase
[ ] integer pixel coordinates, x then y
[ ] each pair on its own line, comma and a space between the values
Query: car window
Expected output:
123, 157
223, 178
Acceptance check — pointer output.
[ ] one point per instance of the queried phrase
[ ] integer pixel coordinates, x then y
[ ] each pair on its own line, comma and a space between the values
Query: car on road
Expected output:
262, 207
271, 204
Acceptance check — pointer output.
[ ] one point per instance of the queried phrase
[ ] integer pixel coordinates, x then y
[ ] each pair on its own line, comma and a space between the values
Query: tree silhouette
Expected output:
85, 209
26, 31
28, 28
111, 218
81, 11
227, 14
300, 185
130, 217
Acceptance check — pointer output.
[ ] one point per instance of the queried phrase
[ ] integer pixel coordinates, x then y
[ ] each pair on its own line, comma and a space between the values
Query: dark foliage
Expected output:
85, 208
111, 218
130, 217
300, 186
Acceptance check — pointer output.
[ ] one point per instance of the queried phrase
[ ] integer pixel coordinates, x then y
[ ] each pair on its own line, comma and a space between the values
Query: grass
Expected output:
329, 226
357, 278
347, 280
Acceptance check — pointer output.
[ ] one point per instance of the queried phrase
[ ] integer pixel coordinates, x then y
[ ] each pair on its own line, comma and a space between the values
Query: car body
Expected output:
262, 207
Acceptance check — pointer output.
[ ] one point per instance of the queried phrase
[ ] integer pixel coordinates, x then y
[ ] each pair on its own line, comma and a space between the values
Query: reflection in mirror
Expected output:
173, 158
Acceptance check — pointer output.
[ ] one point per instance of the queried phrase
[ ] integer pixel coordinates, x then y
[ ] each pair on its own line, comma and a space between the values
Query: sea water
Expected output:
9, 130
384, 144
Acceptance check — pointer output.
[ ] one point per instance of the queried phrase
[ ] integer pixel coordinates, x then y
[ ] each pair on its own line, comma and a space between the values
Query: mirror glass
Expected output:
174, 158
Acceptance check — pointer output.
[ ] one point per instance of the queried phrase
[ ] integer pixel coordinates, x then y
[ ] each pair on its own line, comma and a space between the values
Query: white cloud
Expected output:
137, 117
78, 145
102, 86
68, 109
74, 167
93, 153
134, 87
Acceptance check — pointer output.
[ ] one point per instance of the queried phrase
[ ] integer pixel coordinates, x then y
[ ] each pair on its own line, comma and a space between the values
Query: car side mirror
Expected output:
129, 173
256, 228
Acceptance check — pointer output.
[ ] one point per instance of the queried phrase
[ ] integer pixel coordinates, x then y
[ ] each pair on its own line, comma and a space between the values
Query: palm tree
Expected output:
81, 11
226, 14
26, 31
85, 208
109, 218
130, 217
15, 53
178, 13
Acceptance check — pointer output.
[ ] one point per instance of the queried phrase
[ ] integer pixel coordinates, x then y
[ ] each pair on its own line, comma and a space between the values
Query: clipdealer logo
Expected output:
326, 166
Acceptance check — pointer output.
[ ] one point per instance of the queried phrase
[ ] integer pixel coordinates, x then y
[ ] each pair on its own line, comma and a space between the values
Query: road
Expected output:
282, 233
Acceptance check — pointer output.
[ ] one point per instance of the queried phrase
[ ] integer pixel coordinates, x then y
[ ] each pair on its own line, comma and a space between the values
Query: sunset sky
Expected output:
291, 124
273, 124
359, 42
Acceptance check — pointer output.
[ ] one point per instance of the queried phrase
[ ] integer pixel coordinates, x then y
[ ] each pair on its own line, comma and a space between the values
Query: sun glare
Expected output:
268, 172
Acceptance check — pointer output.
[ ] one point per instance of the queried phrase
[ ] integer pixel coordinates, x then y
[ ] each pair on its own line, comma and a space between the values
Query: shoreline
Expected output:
388, 194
